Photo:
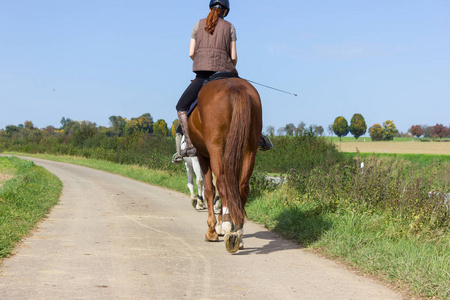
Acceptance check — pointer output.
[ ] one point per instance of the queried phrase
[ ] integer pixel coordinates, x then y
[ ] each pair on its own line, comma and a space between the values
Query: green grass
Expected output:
24, 200
370, 242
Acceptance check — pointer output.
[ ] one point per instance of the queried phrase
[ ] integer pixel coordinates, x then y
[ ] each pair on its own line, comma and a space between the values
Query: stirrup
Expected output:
176, 158
265, 143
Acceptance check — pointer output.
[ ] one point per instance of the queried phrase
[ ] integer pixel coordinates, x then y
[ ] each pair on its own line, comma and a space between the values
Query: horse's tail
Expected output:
234, 150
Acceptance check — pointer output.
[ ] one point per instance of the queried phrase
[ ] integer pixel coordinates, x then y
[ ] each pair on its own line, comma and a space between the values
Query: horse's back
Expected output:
214, 92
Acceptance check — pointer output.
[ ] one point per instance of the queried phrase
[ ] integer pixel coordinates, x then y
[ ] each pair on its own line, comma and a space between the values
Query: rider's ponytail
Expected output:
213, 19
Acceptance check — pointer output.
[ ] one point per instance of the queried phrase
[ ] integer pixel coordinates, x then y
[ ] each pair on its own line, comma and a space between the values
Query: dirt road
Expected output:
114, 238
413, 147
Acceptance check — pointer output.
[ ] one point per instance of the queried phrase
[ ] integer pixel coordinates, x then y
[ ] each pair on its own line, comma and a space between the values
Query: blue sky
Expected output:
88, 60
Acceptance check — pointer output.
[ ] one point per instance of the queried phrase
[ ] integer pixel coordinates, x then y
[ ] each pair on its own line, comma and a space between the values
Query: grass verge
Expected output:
24, 200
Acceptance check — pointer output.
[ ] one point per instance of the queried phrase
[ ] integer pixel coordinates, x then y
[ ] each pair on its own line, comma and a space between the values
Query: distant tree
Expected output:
389, 130
417, 131
49, 128
330, 129
67, 124
300, 129
439, 131
160, 128
428, 131
289, 129
81, 131
340, 127
142, 124
270, 130
376, 132
281, 131
358, 126
28, 125
403, 134
174, 127
145, 123
11, 129
118, 124
317, 129
131, 127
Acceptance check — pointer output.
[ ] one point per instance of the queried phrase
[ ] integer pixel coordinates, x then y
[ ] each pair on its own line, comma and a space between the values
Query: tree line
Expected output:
138, 140
120, 126
358, 127
84, 129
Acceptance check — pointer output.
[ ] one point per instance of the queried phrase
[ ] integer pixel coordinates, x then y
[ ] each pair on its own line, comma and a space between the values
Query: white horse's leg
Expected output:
190, 182
217, 205
201, 203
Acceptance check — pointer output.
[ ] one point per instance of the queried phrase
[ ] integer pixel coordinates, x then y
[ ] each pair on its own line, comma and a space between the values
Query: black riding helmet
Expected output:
222, 3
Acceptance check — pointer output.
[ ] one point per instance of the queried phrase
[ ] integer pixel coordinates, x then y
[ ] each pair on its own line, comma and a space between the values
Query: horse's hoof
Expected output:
211, 237
232, 242
194, 203
200, 205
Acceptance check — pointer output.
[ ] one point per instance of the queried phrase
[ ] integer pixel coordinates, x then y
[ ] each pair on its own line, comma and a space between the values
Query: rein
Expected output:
271, 87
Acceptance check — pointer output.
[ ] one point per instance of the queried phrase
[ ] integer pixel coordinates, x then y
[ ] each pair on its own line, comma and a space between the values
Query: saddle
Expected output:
215, 76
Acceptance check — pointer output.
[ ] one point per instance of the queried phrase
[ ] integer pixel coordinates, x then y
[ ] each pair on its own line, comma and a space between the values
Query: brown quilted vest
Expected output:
212, 51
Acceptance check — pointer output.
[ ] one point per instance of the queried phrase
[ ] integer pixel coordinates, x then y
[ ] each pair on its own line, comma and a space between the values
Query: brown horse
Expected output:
225, 128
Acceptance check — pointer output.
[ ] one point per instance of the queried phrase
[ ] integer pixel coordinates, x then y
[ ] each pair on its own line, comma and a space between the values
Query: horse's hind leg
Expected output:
234, 241
211, 235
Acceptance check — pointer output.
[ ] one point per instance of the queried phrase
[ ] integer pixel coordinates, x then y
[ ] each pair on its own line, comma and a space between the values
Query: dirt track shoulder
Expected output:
395, 147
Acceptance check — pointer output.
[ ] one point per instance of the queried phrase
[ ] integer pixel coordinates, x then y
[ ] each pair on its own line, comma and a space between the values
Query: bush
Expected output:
298, 152
376, 132
388, 184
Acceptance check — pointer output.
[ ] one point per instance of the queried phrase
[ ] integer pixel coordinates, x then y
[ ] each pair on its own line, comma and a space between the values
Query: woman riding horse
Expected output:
212, 49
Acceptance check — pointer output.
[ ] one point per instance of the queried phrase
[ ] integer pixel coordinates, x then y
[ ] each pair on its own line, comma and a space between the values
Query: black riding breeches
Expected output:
191, 93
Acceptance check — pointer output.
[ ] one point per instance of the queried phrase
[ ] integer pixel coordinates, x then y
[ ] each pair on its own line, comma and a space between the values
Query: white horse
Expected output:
192, 166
